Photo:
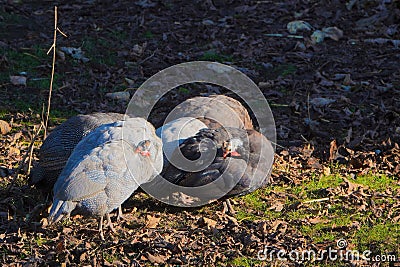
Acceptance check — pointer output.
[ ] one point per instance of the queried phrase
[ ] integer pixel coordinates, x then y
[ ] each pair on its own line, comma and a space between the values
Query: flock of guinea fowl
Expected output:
94, 163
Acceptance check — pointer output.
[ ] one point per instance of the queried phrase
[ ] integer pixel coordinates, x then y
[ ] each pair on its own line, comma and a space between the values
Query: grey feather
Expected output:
58, 146
104, 169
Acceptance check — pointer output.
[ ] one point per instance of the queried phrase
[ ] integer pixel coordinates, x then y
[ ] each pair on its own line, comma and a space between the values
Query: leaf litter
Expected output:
336, 107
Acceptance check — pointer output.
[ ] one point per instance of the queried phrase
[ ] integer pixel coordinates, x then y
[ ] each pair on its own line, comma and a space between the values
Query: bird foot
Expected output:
109, 224
120, 216
228, 208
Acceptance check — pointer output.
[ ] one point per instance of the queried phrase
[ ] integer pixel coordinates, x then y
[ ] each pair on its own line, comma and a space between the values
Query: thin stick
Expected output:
317, 200
52, 70
30, 157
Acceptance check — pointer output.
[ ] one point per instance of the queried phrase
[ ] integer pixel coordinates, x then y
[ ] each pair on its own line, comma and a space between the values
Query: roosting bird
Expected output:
242, 156
105, 168
58, 146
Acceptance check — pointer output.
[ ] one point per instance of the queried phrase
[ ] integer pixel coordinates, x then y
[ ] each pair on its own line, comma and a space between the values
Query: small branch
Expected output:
147, 58
31, 156
52, 71
53, 47
317, 200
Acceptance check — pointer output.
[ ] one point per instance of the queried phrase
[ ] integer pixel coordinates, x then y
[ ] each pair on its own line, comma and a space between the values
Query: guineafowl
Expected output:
215, 111
105, 168
176, 132
58, 146
243, 156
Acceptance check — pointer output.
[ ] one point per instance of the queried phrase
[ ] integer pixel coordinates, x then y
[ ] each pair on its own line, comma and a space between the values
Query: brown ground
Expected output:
136, 39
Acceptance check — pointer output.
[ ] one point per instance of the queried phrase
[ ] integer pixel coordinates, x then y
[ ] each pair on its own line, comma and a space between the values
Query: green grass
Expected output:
384, 236
25, 60
93, 46
244, 262
118, 35
110, 257
148, 34
281, 70
379, 182
331, 218
40, 241
285, 69
30, 61
213, 56
183, 90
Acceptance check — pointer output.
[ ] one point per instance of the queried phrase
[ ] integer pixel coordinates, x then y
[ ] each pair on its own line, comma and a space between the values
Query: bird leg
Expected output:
228, 208
101, 228
120, 215
109, 223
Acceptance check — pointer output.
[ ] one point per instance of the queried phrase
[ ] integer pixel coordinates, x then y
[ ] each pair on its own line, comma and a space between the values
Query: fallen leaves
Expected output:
155, 258
4, 127
209, 223
152, 221
75, 53
352, 85
123, 96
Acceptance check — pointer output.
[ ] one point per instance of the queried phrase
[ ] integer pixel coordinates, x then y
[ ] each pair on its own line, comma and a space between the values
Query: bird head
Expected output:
143, 148
231, 148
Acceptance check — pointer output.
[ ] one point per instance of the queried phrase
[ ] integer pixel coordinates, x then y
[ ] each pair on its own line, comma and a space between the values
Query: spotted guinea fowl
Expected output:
176, 132
58, 146
243, 157
215, 111
105, 168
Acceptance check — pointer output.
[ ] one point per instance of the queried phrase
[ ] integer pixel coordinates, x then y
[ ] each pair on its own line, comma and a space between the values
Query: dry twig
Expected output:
56, 29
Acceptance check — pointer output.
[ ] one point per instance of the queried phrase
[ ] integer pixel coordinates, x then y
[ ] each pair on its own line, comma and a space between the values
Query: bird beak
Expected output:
144, 153
235, 154
232, 153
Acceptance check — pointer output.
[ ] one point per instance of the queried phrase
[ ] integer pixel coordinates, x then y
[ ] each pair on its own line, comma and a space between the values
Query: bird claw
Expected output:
228, 208
102, 235
109, 224
120, 216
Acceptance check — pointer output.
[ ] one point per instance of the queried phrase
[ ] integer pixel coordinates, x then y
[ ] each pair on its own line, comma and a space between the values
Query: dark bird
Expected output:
243, 158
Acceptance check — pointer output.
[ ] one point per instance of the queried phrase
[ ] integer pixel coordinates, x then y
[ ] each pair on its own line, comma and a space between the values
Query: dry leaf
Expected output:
75, 53
320, 102
332, 150
317, 220
298, 25
4, 127
14, 151
279, 225
155, 259
210, 223
152, 221
125, 96
333, 32
278, 206
67, 230
44, 222
353, 187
